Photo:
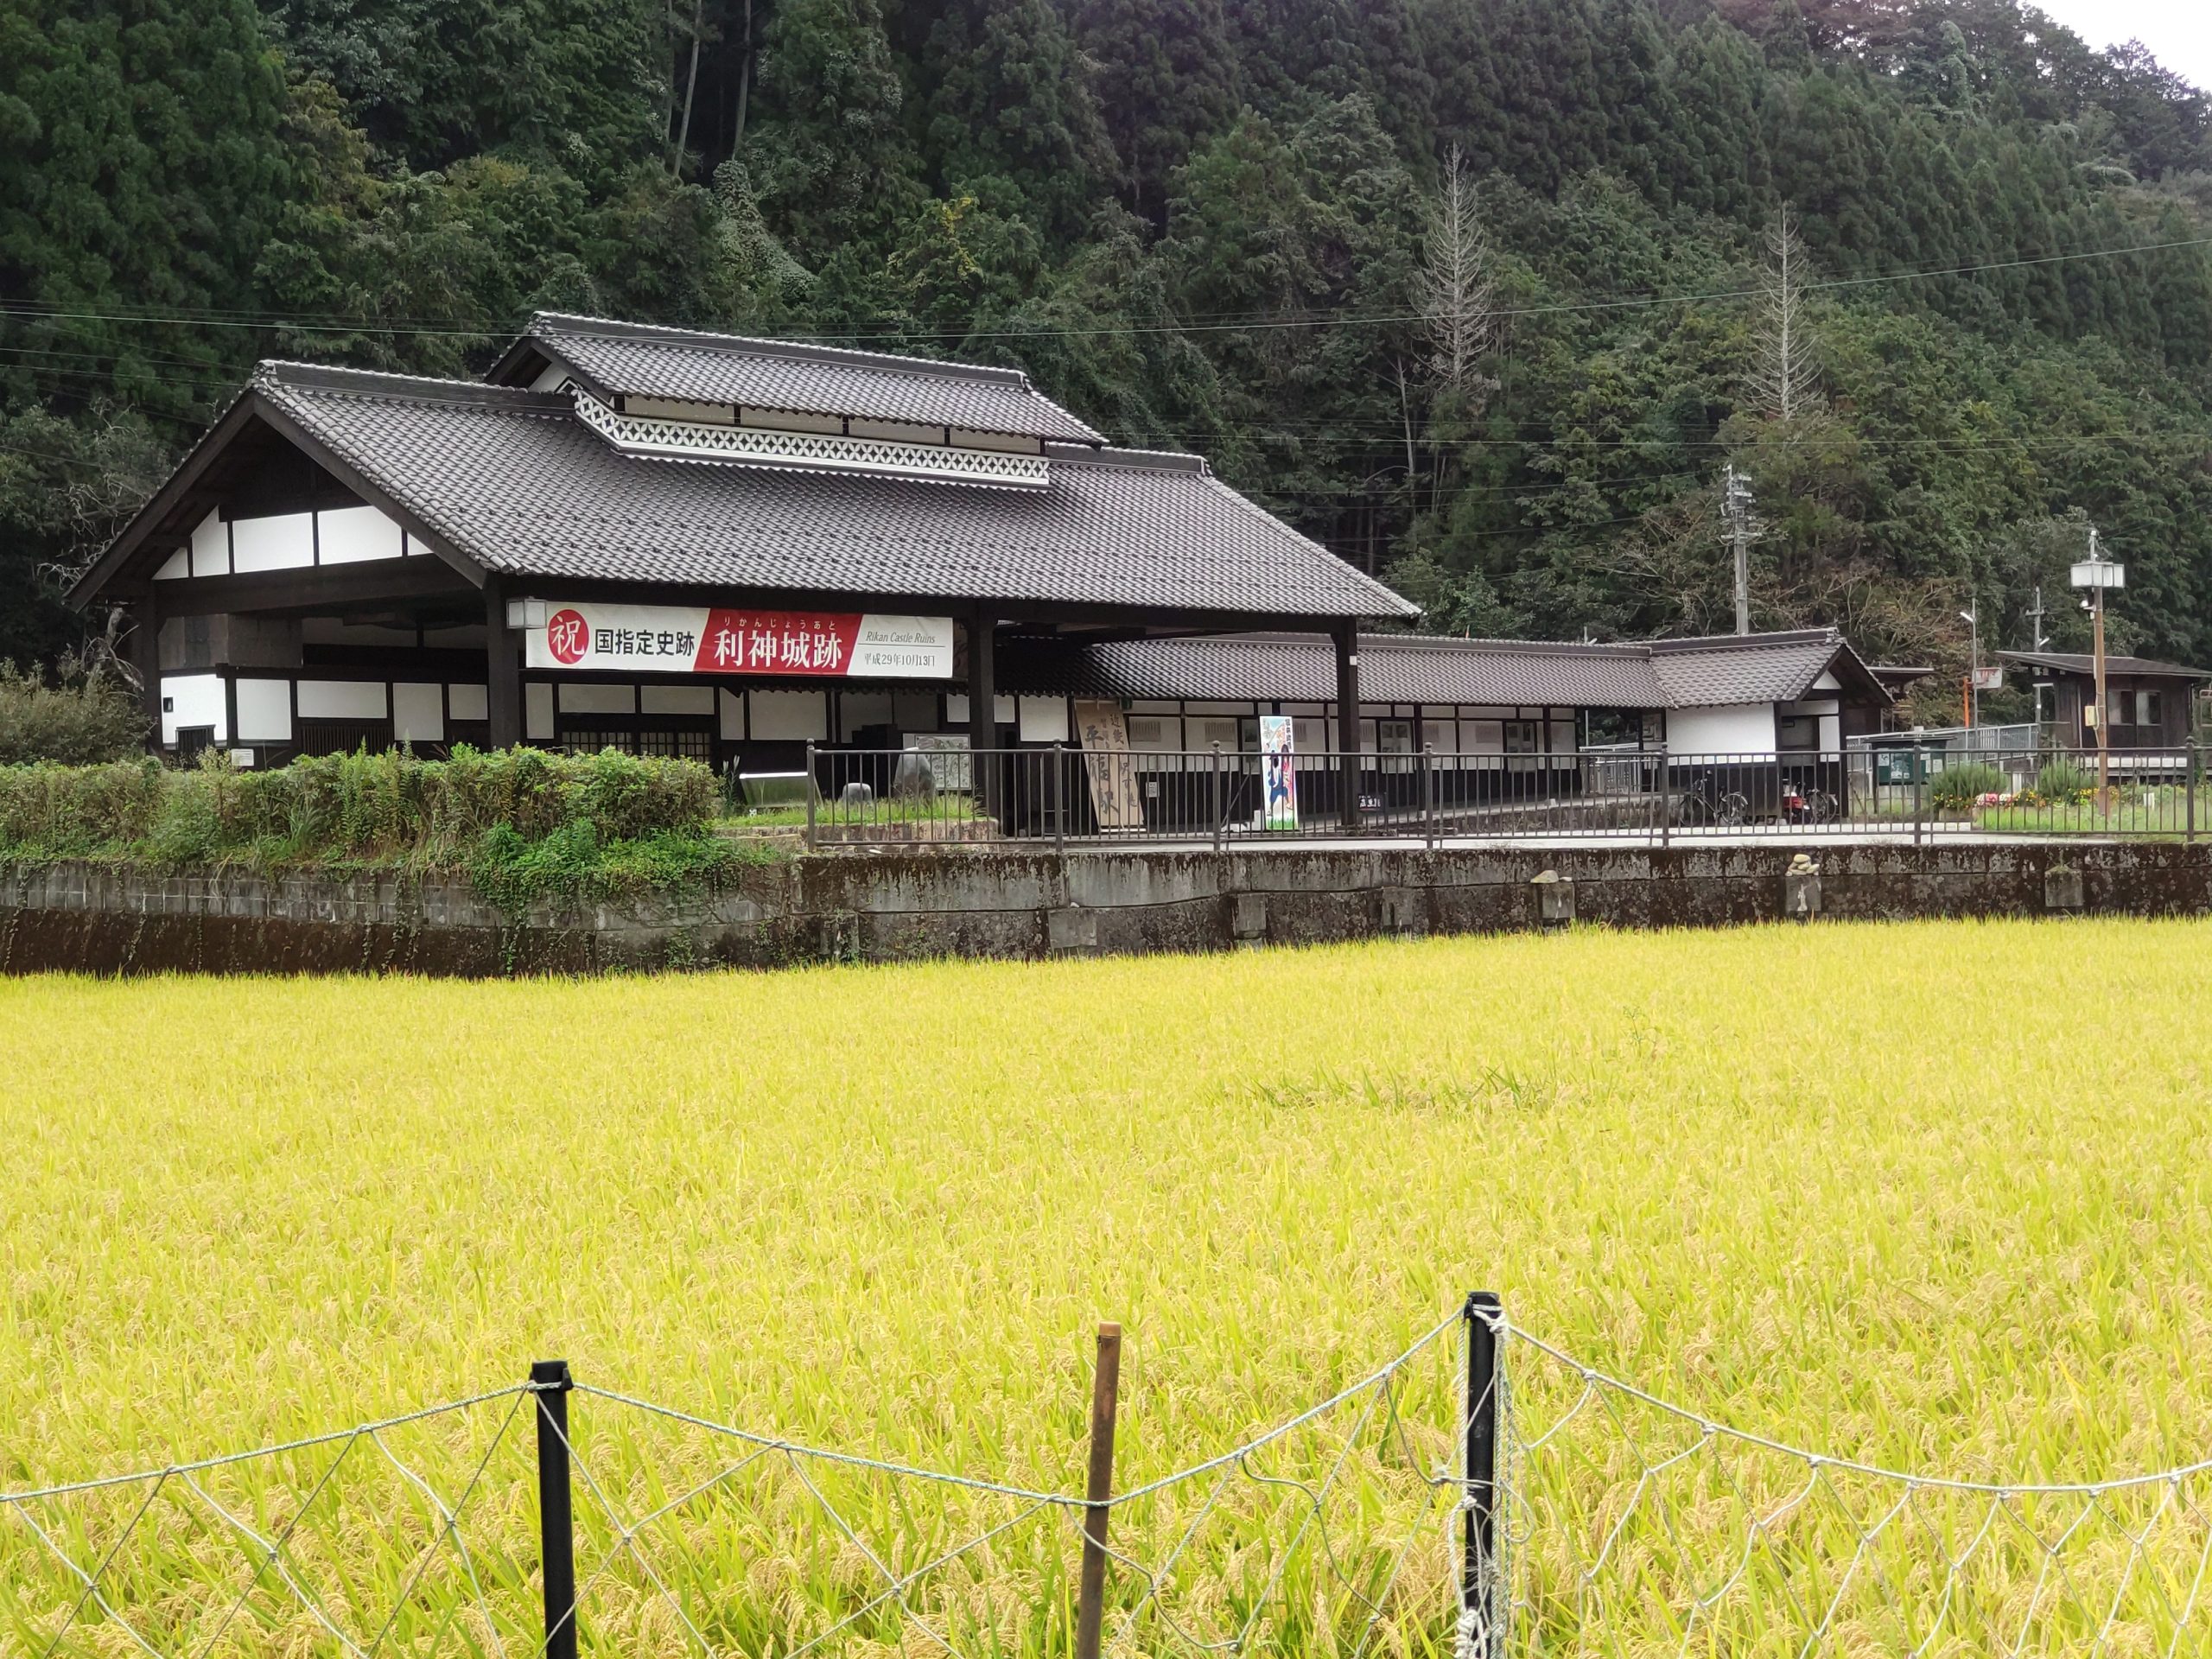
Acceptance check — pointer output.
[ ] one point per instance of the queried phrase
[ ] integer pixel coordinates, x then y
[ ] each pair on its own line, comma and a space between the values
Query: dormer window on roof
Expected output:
680, 394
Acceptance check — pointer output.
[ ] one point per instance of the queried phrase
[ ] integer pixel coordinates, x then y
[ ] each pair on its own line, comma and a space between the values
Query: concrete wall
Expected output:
876, 907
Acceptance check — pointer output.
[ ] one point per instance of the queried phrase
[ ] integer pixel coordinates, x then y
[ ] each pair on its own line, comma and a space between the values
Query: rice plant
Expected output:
1931, 1197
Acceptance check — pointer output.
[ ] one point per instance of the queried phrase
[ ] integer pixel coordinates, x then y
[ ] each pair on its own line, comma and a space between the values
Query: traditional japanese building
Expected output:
696, 544
674, 542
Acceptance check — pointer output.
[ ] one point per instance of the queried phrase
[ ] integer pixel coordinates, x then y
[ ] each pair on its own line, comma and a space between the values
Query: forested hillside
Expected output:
1230, 224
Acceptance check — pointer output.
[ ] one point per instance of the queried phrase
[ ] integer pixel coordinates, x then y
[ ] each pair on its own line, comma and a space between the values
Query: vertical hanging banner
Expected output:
686, 639
1279, 770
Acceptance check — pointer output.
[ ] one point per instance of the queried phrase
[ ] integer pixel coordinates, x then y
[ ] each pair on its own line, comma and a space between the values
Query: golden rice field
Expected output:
1936, 1197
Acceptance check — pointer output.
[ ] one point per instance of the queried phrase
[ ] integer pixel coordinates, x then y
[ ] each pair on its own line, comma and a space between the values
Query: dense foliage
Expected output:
77, 715
1203, 223
522, 823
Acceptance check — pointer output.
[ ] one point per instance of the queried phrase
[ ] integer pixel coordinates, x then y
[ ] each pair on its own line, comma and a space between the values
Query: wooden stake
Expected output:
1105, 1393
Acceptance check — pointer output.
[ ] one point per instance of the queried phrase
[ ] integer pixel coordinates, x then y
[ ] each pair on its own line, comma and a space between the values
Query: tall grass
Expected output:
1933, 1196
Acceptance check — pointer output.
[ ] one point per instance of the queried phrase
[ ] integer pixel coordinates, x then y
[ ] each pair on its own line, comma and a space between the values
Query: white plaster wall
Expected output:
599, 699
468, 701
732, 706
341, 700
175, 567
211, 554
418, 713
354, 534
537, 711
676, 699
264, 711
283, 543
791, 716
955, 710
1044, 719
1743, 728
193, 699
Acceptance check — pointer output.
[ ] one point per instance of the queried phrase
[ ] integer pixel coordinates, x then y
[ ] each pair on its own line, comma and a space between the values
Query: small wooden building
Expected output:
2148, 703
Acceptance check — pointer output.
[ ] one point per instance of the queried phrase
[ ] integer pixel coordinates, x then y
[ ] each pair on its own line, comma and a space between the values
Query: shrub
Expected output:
540, 824
79, 717
2064, 780
1956, 788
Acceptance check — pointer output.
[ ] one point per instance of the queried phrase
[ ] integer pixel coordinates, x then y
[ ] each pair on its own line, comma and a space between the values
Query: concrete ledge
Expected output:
898, 906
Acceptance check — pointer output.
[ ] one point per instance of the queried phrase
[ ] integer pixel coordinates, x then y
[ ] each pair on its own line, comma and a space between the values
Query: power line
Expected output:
185, 317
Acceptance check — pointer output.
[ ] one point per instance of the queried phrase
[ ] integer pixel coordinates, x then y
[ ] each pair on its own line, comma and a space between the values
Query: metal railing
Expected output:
1061, 795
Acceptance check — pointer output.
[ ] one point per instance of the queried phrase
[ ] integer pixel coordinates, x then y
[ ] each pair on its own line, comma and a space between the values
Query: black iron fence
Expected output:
1061, 794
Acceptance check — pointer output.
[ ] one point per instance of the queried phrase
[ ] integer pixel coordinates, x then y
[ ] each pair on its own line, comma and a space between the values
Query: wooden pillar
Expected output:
502, 667
982, 703
146, 658
1347, 639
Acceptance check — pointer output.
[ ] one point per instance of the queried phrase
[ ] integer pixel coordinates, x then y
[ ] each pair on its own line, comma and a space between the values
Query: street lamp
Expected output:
2100, 575
1973, 667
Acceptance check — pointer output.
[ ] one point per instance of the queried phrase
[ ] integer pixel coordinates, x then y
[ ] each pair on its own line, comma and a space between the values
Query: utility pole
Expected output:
2097, 573
1972, 620
2036, 640
1736, 507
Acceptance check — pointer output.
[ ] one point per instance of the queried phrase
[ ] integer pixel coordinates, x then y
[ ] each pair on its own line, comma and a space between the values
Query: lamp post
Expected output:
2099, 575
1972, 620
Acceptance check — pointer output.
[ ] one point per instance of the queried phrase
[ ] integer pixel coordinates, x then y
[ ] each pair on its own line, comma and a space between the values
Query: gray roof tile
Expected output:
631, 359
1757, 668
2073, 662
1400, 668
1393, 668
516, 481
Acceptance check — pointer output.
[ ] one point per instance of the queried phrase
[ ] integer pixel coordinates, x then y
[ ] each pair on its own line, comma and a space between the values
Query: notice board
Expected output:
1105, 735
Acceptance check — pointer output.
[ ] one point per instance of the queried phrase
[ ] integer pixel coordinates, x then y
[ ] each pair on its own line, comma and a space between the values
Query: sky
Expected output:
2178, 32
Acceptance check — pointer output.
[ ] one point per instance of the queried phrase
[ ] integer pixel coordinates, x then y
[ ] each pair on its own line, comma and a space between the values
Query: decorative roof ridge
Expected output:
1450, 644
1747, 641
550, 326
2070, 659
285, 374
1151, 461
1624, 650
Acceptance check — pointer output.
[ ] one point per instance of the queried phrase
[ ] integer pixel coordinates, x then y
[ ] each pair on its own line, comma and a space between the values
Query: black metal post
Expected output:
1919, 786
811, 793
2192, 776
1428, 791
556, 1520
1479, 1586
1666, 800
1060, 799
1217, 798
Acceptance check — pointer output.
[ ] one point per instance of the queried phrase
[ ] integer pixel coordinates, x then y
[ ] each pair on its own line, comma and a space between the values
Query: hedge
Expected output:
521, 821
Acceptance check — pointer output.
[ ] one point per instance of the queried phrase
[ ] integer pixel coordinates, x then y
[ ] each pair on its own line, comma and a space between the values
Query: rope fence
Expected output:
1479, 1494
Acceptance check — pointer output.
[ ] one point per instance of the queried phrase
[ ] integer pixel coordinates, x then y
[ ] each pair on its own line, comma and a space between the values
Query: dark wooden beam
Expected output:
1347, 643
983, 699
146, 657
313, 590
502, 667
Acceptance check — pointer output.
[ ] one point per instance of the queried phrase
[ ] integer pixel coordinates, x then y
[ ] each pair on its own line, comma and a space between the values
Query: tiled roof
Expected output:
514, 480
2070, 662
1399, 668
629, 360
1392, 668
1756, 668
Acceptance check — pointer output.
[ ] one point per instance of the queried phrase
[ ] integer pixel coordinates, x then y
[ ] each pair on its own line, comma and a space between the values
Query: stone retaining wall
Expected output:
899, 905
